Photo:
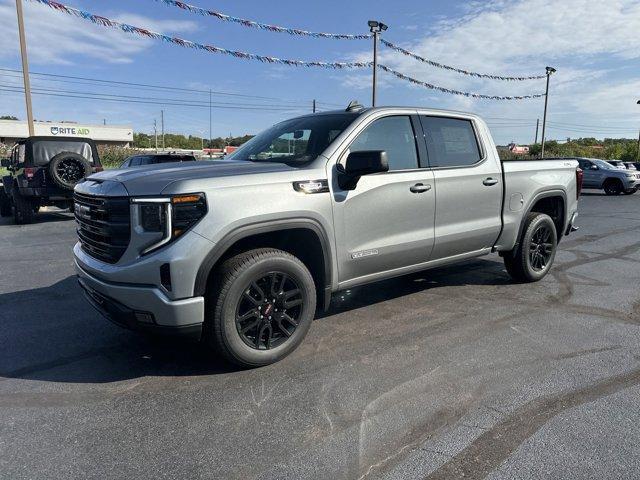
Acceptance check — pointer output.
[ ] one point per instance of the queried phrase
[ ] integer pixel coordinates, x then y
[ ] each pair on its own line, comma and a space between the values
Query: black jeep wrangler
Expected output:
43, 171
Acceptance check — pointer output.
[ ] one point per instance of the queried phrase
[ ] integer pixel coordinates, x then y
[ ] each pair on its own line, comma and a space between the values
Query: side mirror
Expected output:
5, 162
361, 163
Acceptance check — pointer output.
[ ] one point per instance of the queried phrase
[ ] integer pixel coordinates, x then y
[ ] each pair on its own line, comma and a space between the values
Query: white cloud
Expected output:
588, 41
55, 38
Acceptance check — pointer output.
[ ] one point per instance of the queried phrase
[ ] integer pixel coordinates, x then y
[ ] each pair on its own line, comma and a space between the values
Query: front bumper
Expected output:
141, 307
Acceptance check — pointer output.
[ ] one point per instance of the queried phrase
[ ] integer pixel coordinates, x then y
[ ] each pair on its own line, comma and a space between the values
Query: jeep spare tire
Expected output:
68, 168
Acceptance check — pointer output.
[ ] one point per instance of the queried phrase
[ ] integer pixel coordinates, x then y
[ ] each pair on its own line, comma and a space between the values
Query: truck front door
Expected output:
468, 183
386, 222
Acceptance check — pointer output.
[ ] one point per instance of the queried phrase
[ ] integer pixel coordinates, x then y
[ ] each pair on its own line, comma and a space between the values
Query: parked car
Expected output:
603, 175
630, 166
617, 163
152, 159
239, 252
43, 171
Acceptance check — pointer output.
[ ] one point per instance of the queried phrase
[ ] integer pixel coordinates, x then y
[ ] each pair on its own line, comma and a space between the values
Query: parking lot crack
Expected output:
492, 448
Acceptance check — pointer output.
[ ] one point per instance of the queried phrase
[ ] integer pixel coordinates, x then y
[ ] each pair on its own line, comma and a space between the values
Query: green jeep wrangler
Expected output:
43, 171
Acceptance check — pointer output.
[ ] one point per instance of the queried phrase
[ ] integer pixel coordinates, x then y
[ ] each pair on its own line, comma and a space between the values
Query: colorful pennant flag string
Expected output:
456, 92
261, 26
105, 22
458, 70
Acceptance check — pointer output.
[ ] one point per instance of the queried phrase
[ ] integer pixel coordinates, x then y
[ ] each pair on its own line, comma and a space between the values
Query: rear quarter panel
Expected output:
526, 181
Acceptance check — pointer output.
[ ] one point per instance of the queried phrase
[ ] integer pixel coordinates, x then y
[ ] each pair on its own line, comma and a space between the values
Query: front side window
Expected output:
295, 142
451, 142
395, 136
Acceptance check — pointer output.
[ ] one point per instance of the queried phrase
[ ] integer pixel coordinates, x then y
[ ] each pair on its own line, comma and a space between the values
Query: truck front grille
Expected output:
104, 225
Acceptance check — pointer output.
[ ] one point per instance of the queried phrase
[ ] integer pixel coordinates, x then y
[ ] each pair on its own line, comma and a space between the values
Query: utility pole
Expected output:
550, 70
375, 27
638, 154
314, 105
162, 127
537, 126
104, 121
155, 132
25, 66
210, 125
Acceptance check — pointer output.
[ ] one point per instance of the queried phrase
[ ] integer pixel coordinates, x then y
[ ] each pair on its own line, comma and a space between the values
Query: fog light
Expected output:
144, 317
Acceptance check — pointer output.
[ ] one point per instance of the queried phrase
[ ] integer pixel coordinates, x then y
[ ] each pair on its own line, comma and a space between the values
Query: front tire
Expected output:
260, 308
613, 187
532, 259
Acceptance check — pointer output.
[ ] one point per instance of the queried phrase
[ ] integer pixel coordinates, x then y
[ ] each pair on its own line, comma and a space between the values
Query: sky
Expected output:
593, 44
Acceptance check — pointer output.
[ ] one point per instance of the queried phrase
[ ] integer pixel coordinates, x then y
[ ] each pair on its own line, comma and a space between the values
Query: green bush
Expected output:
112, 157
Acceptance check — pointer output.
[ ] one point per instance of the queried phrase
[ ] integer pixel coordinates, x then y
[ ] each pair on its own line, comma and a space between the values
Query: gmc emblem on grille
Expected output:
83, 211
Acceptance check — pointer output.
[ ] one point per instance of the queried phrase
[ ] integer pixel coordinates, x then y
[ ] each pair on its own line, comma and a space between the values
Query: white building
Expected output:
117, 135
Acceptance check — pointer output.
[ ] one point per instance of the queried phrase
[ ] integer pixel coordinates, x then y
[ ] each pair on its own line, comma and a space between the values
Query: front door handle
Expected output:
420, 188
489, 181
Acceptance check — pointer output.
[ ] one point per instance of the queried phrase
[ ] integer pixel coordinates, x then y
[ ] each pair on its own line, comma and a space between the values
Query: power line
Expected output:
146, 85
161, 100
148, 102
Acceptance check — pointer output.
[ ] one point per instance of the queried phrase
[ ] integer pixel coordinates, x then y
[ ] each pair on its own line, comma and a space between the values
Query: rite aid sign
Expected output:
69, 131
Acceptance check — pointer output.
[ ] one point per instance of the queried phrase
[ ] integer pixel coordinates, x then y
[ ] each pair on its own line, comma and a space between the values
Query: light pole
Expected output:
25, 66
550, 70
375, 27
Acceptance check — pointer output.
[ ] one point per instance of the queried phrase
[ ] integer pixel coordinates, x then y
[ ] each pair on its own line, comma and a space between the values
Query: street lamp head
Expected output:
376, 27
638, 102
550, 70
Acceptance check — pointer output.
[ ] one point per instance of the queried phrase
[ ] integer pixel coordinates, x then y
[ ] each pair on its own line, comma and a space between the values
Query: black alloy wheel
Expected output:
269, 310
70, 170
259, 306
541, 247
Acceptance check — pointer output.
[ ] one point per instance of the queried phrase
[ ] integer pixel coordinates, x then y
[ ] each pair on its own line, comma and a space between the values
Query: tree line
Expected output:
190, 142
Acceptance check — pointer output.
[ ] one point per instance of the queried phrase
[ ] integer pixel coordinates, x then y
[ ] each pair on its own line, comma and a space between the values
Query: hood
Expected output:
153, 179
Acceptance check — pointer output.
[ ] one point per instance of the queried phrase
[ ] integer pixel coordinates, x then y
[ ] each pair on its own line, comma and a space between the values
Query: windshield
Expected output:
295, 142
604, 165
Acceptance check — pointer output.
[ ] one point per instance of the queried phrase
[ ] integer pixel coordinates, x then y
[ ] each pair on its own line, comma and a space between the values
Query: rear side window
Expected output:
393, 135
451, 142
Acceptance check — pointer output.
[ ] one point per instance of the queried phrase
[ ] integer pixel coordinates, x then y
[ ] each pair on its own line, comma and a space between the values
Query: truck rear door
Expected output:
468, 185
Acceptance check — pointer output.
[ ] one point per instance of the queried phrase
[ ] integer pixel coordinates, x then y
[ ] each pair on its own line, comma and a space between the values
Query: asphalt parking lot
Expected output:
454, 372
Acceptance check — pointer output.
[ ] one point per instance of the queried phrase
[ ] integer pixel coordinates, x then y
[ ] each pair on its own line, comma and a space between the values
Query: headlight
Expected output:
168, 217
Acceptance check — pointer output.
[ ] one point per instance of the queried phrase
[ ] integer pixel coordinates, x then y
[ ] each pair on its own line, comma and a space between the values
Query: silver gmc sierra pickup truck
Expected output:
240, 252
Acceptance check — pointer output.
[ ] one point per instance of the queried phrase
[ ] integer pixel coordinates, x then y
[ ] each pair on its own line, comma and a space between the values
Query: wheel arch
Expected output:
551, 202
303, 237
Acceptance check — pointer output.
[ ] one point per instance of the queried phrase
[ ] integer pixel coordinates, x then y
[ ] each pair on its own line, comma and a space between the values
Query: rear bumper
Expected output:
50, 193
142, 308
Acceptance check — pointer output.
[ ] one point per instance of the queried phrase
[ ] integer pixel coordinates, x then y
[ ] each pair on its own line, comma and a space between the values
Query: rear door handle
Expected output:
489, 181
420, 188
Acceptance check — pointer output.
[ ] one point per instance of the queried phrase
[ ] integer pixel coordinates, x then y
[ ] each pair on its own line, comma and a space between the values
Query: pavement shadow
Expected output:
44, 216
53, 334
476, 272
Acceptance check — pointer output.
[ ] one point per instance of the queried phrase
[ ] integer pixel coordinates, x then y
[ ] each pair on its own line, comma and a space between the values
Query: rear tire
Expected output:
5, 203
22, 209
536, 250
260, 308
613, 187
